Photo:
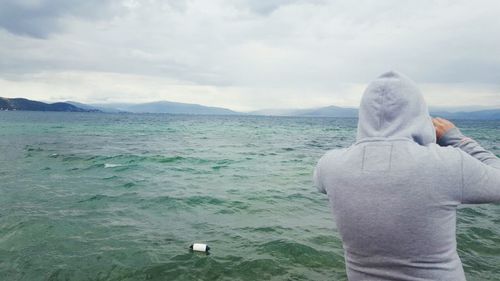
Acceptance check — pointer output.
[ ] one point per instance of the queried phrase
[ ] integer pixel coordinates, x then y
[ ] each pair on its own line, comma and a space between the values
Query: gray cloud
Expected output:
40, 18
267, 7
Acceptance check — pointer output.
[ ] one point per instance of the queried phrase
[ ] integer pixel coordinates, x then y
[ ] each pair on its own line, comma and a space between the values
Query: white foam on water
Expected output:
110, 165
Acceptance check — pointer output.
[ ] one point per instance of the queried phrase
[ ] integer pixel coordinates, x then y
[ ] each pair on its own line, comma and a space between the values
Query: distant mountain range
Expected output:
25, 104
94, 107
476, 113
343, 112
21, 104
493, 114
329, 111
165, 107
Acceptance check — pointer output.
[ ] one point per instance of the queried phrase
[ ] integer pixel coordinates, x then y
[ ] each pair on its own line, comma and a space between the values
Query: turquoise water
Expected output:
89, 196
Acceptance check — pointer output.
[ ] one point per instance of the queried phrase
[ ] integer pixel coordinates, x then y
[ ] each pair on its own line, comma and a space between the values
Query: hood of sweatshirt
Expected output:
393, 107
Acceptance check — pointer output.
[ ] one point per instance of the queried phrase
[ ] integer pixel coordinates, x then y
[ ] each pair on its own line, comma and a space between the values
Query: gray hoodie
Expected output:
394, 192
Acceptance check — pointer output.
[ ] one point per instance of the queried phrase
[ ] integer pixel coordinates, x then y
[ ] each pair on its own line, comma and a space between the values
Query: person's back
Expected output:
394, 192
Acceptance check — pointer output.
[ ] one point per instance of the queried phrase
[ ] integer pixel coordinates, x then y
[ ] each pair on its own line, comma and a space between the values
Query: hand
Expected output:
442, 126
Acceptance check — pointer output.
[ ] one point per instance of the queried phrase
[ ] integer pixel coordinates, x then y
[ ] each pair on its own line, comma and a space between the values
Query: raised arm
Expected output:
447, 134
480, 167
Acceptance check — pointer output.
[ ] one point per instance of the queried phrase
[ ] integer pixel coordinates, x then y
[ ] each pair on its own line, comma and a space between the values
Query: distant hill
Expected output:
274, 112
492, 114
454, 109
329, 111
343, 112
170, 107
94, 107
31, 105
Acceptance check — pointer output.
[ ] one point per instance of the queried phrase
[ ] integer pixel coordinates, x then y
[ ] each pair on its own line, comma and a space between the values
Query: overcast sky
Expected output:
247, 54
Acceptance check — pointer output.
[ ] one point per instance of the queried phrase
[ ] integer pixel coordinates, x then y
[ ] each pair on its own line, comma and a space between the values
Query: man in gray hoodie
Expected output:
394, 192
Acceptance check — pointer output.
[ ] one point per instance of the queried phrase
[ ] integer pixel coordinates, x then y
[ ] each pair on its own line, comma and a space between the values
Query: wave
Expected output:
127, 159
111, 165
298, 253
214, 204
191, 266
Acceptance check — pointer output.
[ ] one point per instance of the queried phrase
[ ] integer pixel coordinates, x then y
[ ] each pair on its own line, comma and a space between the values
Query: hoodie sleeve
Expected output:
324, 168
317, 177
480, 182
456, 139
480, 169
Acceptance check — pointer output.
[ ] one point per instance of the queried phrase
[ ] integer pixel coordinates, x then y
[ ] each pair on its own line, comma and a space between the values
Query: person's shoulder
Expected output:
333, 155
434, 147
448, 154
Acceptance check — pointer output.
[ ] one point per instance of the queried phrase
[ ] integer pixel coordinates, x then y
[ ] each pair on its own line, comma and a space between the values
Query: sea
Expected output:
97, 196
